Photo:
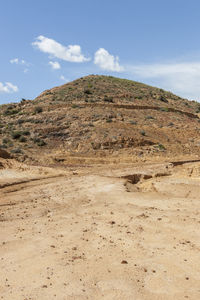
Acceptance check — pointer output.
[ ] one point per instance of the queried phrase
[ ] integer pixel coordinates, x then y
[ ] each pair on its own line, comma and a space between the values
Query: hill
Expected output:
100, 119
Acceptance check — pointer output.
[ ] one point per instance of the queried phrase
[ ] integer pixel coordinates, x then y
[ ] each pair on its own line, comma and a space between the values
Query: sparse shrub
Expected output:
149, 118
26, 132
109, 121
91, 125
22, 113
36, 140
9, 112
16, 150
88, 92
142, 132
3, 146
161, 147
164, 109
75, 106
8, 142
133, 122
5, 141
22, 139
108, 99
198, 110
37, 121
21, 121
38, 109
16, 135
41, 143
163, 99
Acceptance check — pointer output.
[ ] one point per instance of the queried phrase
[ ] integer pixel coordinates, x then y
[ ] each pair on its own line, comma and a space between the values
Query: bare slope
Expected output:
92, 236
100, 119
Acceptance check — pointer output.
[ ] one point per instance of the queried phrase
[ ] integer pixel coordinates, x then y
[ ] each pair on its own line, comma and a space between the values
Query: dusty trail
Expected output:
98, 236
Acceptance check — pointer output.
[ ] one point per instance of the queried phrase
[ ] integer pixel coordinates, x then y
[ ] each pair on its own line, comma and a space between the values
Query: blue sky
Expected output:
47, 43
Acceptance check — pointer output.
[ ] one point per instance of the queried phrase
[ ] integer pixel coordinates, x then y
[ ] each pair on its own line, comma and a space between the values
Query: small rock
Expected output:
124, 262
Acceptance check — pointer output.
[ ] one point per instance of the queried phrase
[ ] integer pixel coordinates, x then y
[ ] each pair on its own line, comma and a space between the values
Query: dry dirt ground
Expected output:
112, 232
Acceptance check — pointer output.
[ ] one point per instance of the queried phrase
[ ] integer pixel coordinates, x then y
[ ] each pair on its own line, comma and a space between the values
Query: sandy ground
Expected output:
96, 234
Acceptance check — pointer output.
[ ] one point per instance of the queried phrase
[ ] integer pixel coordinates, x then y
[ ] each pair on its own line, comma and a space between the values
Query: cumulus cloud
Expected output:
181, 78
70, 53
106, 61
55, 65
8, 87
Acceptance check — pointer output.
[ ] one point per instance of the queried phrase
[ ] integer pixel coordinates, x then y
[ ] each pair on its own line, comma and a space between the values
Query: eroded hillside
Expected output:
100, 119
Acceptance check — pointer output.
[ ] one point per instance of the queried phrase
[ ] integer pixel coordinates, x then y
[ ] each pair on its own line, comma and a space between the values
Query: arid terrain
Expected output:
96, 119
99, 194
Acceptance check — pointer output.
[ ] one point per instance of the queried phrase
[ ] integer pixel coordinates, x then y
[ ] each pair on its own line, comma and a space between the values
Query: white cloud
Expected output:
180, 78
14, 61
70, 53
64, 79
18, 61
55, 65
106, 61
8, 87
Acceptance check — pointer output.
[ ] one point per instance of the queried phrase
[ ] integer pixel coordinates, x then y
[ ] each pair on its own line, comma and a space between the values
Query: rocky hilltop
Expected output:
100, 119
